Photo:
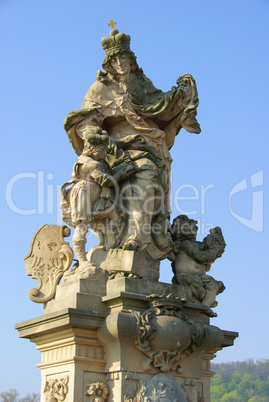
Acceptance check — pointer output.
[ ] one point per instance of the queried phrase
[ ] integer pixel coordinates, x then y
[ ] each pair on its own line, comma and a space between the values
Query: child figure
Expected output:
87, 200
194, 258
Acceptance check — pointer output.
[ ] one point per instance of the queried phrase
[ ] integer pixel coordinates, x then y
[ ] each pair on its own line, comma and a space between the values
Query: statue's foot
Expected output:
130, 245
84, 270
87, 265
72, 270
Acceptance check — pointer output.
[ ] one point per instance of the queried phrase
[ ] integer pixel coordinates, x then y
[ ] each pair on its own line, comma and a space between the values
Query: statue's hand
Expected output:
109, 181
94, 130
112, 147
176, 245
183, 84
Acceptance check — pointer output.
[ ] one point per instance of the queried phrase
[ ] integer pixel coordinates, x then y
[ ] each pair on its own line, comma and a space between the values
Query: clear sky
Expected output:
50, 53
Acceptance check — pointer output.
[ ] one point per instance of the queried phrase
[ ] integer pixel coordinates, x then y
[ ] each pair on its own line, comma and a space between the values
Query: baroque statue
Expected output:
122, 134
87, 200
110, 330
194, 259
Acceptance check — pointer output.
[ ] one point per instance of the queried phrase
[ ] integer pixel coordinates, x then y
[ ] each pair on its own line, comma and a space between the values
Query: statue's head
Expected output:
118, 43
183, 228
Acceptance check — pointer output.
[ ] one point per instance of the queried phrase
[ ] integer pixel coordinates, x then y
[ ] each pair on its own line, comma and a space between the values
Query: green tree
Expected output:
217, 392
246, 387
235, 380
248, 381
216, 380
262, 388
231, 397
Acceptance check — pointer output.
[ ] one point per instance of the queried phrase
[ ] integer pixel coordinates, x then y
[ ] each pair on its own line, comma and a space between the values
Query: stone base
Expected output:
126, 261
109, 337
72, 354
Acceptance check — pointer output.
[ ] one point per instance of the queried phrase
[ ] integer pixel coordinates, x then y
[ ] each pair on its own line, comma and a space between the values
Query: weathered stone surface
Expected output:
122, 134
126, 261
164, 387
91, 347
193, 259
49, 257
83, 294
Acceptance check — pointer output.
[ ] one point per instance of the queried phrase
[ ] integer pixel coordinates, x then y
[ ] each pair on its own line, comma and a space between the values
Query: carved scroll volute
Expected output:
49, 257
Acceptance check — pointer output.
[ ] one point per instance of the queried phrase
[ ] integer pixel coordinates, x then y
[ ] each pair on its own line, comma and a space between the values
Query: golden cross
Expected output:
112, 24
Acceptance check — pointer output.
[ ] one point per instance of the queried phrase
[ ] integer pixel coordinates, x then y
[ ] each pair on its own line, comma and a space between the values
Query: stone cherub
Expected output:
126, 104
88, 199
193, 260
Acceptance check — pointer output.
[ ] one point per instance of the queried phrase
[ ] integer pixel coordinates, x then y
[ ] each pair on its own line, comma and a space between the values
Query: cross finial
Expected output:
112, 24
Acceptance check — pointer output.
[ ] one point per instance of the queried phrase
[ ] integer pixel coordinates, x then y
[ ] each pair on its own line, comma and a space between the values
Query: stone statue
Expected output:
87, 200
141, 122
193, 260
110, 330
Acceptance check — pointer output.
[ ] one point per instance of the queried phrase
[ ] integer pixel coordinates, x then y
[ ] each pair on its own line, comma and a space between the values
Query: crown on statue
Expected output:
115, 43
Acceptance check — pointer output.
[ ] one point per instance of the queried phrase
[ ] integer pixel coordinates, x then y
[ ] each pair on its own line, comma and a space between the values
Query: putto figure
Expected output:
143, 121
87, 200
193, 259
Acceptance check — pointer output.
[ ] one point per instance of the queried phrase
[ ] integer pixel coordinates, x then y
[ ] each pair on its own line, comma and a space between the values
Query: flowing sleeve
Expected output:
89, 117
171, 110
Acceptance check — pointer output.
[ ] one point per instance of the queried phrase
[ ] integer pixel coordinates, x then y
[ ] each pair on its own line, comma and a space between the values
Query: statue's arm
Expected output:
91, 123
97, 101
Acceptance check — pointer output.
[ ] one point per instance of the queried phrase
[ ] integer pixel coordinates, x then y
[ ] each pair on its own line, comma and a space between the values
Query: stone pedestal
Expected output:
120, 338
72, 353
125, 261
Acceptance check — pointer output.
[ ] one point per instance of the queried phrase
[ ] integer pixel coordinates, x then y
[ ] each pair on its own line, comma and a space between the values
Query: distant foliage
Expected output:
240, 381
12, 395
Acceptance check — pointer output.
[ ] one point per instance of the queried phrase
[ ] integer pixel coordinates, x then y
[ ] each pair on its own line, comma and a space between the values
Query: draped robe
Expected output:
138, 108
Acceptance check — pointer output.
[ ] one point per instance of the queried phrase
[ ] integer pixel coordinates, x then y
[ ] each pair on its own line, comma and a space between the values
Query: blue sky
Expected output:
50, 55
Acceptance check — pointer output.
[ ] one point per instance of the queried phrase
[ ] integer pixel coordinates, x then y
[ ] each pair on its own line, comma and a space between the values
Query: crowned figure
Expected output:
142, 123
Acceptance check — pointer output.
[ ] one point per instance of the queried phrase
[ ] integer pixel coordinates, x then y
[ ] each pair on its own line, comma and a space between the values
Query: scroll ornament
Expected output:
49, 257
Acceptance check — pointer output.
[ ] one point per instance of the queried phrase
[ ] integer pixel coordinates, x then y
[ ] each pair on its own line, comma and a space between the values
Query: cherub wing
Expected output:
214, 242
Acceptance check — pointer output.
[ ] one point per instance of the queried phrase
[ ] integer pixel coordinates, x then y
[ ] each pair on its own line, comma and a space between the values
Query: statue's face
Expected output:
189, 229
121, 64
